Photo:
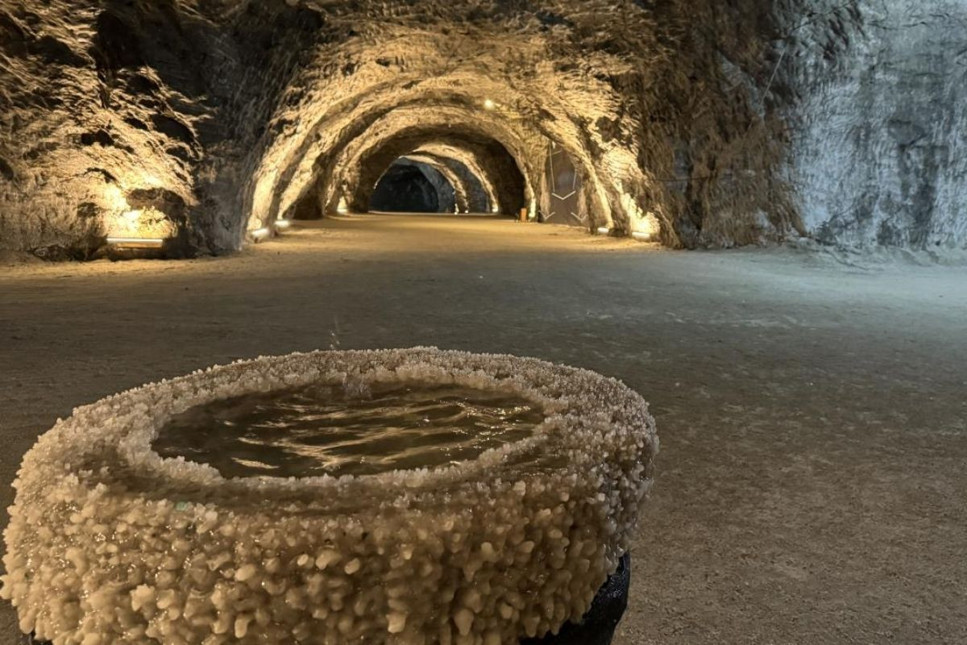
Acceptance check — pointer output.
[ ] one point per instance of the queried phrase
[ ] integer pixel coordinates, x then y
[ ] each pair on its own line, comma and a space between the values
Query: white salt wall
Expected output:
880, 147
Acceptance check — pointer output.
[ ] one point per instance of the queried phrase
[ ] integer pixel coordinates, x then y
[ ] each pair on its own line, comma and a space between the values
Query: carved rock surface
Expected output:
880, 155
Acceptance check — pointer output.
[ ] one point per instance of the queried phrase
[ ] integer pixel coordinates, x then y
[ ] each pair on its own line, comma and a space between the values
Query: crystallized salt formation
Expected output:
110, 543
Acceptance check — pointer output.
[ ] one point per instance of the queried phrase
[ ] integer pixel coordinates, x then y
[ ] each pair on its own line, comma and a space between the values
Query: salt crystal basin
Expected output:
110, 543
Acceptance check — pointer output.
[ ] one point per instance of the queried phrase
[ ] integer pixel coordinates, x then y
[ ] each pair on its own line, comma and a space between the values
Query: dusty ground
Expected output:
813, 416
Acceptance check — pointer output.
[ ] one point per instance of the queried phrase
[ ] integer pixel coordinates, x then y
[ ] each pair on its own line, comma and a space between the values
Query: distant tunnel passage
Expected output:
413, 187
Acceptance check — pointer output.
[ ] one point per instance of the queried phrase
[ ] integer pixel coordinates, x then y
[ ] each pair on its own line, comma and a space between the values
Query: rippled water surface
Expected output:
320, 430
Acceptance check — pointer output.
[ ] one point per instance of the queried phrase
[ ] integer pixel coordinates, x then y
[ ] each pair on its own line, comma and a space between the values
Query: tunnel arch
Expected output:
222, 109
409, 186
437, 166
473, 165
513, 181
276, 185
446, 112
472, 195
560, 103
456, 130
497, 186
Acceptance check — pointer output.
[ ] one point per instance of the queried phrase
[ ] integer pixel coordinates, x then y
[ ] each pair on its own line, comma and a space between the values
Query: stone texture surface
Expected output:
469, 193
880, 151
723, 124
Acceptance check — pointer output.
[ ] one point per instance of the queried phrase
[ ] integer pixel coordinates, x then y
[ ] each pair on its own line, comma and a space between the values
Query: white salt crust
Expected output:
109, 543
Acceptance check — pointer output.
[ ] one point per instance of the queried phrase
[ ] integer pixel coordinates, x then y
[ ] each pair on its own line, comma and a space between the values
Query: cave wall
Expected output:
478, 173
114, 106
363, 164
215, 117
879, 139
449, 184
702, 122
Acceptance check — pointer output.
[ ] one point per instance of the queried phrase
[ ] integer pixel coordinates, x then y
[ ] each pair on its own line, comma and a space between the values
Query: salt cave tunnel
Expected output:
751, 214
200, 122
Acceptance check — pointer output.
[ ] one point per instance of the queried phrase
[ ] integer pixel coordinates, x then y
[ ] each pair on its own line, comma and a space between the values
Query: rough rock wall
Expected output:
519, 73
489, 157
478, 176
450, 186
112, 111
879, 145
845, 121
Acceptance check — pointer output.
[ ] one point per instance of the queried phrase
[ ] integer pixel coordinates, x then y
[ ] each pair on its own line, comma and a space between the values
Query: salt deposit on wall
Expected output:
880, 154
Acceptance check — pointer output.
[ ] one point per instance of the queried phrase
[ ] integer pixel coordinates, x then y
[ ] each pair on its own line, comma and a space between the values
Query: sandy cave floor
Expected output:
812, 484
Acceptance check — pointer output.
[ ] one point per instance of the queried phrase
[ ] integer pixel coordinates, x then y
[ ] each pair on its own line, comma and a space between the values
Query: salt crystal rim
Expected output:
136, 416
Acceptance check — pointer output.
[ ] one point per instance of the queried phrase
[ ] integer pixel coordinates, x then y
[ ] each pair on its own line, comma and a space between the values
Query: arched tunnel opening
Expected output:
410, 186
421, 169
479, 171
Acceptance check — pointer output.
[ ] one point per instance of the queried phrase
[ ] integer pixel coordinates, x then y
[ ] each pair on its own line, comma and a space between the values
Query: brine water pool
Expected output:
332, 430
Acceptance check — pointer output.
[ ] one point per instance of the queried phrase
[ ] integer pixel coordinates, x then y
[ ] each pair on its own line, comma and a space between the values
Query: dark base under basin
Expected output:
596, 628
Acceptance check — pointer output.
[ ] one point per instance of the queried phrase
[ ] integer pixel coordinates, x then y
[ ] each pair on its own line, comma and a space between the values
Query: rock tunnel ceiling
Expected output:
701, 124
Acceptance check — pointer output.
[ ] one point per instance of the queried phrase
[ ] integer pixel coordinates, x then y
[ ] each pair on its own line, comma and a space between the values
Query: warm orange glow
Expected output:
133, 227
644, 226
115, 198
